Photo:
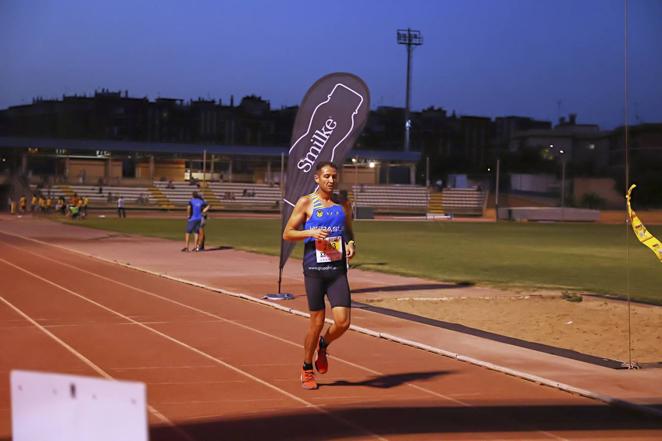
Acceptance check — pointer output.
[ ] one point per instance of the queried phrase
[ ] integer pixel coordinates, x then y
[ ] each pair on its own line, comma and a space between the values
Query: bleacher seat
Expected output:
132, 195
229, 194
391, 198
464, 201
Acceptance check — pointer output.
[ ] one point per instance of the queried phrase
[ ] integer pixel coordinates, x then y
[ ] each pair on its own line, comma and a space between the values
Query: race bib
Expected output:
328, 249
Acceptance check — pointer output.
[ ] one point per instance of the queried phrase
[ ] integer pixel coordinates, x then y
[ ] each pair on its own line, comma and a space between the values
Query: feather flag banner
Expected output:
640, 230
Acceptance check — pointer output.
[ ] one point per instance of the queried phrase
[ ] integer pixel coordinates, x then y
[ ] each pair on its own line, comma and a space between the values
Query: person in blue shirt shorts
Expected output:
326, 230
196, 209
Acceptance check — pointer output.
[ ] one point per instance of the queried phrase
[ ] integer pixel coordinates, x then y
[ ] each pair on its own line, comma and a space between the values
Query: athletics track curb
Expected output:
612, 401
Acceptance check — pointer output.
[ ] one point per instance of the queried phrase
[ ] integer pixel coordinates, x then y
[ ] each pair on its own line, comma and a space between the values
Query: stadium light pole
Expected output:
410, 38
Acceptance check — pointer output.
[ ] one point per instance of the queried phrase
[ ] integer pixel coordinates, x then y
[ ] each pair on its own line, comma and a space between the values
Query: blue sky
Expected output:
479, 57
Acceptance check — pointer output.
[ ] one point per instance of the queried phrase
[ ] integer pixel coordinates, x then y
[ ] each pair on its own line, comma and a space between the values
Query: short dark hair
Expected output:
323, 164
195, 194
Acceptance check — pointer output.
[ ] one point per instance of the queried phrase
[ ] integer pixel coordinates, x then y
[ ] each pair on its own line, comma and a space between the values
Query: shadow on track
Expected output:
524, 419
388, 381
419, 287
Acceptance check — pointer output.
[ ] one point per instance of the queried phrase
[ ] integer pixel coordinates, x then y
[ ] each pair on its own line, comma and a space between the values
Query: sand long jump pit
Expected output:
585, 324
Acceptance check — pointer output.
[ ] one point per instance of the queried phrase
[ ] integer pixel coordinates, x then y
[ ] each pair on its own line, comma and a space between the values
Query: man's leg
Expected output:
187, 237
341, 302
315, 288
201, 238
312, 336
315, 326
341, 320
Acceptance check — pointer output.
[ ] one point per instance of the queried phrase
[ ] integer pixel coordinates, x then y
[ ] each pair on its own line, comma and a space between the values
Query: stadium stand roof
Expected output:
177, 148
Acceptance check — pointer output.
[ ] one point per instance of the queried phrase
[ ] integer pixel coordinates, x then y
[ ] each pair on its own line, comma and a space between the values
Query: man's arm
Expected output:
297, 218
350, 246
188, 211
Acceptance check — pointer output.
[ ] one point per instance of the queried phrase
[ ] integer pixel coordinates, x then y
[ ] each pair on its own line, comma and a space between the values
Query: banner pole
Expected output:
282, 178
282, 208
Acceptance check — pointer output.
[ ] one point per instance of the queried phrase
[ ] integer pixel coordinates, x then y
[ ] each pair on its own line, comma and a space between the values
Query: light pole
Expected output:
427, 172
562, 153
496, 193
410, 38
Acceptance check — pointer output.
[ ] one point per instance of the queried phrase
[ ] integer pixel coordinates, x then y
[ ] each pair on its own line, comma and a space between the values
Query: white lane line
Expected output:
241, 325
199, 352
91, 364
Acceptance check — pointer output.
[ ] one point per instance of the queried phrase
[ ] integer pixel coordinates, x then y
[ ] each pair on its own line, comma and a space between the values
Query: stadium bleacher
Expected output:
463, 201
409, 199
392, 198
109, 195
223, 194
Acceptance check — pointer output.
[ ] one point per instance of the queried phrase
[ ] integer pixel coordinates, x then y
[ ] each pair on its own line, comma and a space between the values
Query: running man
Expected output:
196, 208
328, 243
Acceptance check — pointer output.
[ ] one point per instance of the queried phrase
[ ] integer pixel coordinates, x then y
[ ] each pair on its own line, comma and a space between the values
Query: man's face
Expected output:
327, 178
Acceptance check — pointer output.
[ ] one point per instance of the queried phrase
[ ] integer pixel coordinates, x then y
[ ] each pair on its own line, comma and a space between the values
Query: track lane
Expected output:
388, 384
152, 341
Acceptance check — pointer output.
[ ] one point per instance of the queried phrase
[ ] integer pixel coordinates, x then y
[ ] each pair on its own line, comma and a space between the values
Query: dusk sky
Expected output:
479, 57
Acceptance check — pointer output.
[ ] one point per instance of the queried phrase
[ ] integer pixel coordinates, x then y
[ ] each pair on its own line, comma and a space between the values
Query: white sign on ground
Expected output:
56, 407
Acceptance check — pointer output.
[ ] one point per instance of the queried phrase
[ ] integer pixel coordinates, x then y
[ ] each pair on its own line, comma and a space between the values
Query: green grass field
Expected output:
583, 257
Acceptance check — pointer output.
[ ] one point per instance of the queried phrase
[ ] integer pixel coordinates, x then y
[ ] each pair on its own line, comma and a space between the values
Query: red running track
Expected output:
218, 367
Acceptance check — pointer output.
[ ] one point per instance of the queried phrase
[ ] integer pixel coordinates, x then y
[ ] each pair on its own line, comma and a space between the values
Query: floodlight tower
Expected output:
410, 38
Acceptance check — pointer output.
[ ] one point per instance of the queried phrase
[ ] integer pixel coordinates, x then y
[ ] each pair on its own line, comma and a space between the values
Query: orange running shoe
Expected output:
321, 363
308, 379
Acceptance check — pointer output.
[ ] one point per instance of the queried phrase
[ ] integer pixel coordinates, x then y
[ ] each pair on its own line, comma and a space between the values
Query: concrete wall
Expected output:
533, 183
603, 187
92, 169
172, 170
358, 175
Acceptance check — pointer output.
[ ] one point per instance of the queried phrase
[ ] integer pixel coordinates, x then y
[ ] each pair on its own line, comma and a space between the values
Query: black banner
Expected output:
330, 119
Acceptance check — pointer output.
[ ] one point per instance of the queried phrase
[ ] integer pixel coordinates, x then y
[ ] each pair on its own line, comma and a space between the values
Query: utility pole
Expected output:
496, 193
410, 38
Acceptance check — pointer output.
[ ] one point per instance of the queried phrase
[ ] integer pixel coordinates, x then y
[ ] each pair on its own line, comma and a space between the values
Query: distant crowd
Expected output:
74, 206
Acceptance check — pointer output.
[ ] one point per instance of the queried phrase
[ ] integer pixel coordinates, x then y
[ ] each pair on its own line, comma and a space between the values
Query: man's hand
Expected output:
350, 250
318, 233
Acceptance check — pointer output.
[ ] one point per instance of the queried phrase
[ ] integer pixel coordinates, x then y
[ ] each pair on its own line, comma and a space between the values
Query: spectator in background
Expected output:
83, 207
201, 232
196, 208
121, 211
74, 210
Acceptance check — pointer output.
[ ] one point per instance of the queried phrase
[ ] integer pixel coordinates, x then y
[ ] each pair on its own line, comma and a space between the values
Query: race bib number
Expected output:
328, 249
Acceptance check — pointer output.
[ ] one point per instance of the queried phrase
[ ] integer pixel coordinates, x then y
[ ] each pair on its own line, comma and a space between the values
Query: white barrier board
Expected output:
55, 407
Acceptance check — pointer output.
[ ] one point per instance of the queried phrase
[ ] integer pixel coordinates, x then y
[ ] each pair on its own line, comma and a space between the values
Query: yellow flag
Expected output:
640, 230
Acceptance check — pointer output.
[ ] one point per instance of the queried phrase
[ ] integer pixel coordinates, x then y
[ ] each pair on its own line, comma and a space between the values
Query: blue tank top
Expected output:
197, 205
327, 256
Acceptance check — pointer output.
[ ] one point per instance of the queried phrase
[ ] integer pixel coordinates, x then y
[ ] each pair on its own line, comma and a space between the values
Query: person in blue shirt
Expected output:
196, 209
328, 244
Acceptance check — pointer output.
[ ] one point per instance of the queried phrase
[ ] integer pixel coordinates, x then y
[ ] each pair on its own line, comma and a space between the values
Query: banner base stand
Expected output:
279, 296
